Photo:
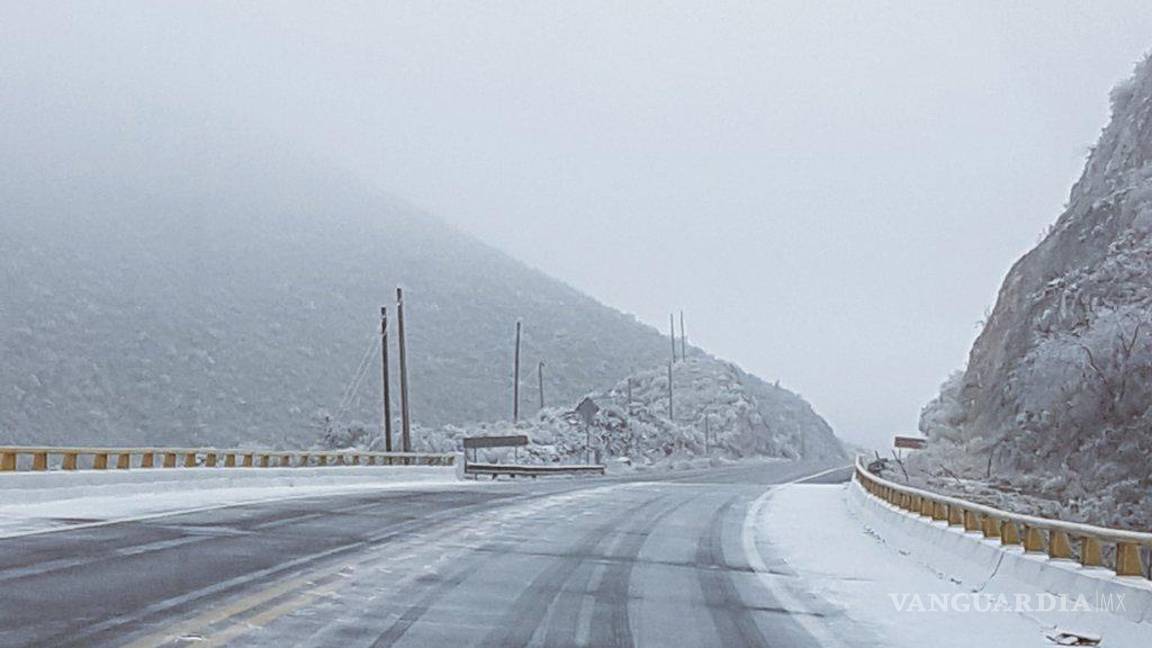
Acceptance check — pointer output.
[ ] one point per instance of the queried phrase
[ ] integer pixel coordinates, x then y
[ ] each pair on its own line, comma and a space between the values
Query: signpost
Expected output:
587, 409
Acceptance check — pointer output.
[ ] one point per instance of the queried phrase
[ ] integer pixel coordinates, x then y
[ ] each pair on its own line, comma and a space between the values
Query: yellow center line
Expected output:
271, 614
237, 607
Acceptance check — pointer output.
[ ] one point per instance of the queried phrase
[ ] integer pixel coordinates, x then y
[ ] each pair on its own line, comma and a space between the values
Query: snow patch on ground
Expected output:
39, 502
857, 565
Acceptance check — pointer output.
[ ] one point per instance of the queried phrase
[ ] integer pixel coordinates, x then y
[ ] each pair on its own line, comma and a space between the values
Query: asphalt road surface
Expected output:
649, 560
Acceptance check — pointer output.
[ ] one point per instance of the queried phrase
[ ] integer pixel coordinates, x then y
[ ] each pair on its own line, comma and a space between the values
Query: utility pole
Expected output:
672, 335
707, 447
516, 379
683, 339
384, 364
405, 420
540, 376
670, 418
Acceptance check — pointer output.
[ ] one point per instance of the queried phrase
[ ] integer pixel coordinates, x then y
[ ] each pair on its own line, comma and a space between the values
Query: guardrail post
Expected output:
147, 460
169, 459
1058, 545
1033, 539
1128, 562
264, 459
189, 459
210, 459
1090, 552
304, 459
123, 461
955, 515
7, 461
229, 460
1009, 534
69, 462
247, 463
40, 461
971, 523
100, 461
990, 526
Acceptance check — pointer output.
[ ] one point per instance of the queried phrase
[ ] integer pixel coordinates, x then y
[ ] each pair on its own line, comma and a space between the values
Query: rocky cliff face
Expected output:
1057, 396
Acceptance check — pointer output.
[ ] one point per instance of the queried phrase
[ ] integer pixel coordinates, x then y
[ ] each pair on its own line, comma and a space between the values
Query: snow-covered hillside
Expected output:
746, 417
1056, 401
171, 279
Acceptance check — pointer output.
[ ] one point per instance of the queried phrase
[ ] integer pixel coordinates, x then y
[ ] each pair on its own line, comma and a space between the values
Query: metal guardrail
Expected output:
531, 470
1088, 544
66, 458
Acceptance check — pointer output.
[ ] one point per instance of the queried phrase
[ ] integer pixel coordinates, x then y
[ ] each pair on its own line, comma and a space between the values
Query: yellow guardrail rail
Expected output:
1092, 546
14, 458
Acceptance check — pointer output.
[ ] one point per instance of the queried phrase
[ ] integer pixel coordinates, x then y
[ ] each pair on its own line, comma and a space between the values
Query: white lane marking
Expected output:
811, 624
801, 480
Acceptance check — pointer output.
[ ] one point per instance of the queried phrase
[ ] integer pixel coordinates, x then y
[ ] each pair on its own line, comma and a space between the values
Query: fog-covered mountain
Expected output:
169, 280
1056, 399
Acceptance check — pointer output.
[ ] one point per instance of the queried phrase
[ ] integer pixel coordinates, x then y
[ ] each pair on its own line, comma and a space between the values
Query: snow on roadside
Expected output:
52, 500
870, 583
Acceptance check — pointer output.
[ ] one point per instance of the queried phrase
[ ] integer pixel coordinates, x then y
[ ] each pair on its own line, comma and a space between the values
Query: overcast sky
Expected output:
832, 191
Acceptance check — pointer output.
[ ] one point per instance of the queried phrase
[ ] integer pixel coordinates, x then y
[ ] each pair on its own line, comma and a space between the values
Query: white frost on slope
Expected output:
855, 569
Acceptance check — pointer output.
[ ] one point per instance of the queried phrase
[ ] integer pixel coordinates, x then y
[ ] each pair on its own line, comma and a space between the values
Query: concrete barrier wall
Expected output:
985, 565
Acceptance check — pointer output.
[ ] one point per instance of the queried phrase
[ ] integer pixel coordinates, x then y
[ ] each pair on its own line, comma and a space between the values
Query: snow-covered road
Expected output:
723, 557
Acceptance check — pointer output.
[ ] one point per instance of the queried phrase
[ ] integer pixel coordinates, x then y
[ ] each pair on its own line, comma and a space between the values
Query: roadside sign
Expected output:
910, 443
495, 441
587, 409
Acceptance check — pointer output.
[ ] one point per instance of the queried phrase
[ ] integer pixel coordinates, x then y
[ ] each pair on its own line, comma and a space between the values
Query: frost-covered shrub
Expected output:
944, 416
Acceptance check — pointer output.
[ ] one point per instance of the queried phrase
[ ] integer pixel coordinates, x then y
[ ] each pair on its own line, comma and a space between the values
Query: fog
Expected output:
832, 192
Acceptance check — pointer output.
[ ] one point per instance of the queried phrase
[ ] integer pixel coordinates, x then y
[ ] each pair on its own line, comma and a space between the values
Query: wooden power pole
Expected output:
683, 339
516, 379
384, 374
672, 335
670, 418
540, 377
405, 420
